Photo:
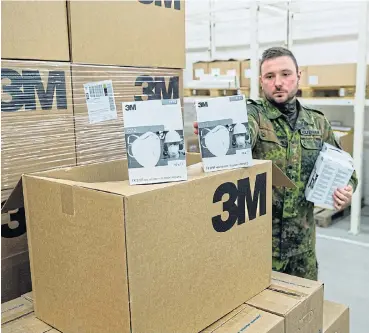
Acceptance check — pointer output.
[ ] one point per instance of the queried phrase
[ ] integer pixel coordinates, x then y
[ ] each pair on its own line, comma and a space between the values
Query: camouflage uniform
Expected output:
294, 152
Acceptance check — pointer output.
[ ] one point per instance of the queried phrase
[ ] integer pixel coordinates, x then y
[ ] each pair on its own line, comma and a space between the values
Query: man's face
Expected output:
279, 79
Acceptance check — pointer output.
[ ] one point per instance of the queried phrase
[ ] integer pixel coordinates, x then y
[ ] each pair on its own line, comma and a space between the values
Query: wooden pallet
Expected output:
328, 92
213, 92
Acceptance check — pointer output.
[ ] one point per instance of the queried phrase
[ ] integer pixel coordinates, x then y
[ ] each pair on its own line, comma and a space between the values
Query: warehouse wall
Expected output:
324, 32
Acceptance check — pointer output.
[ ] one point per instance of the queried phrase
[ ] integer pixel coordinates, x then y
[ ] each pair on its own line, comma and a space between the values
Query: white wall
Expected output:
324, 32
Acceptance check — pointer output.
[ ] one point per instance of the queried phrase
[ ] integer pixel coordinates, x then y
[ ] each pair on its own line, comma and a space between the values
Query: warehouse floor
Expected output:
344, 268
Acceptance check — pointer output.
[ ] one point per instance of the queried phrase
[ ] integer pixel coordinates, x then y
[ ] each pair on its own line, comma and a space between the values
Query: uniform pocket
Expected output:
271, 137
314, 143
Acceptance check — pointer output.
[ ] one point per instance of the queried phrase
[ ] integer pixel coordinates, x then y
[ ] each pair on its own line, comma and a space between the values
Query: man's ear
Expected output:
298, 75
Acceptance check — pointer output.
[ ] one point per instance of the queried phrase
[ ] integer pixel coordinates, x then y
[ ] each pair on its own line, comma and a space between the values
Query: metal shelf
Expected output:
330, 101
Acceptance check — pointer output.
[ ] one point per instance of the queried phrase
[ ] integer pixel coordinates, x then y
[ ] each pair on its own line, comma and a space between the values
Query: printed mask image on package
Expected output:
98, 94
155, 143
224, 133
37, 125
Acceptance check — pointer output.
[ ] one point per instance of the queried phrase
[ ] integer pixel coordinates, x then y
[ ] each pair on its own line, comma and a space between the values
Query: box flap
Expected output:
280, 179
301, 285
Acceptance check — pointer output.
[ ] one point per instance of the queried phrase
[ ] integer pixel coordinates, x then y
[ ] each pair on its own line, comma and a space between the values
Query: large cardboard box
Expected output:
122, 258
199, 69
339, 75
245, 74
15, 269
299, 301
128, 33
37, 126
336, 318
249, 319
104, 141
225, 67
35, 30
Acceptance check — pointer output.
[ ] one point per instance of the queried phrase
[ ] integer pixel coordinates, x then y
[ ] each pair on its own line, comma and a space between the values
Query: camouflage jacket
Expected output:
295, 153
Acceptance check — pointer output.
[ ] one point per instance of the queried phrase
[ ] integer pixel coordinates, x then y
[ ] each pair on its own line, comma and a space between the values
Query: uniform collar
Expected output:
272, 112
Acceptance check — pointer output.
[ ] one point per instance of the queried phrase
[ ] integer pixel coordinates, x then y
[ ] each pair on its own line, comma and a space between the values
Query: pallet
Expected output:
326, 217
214, 92
328, 92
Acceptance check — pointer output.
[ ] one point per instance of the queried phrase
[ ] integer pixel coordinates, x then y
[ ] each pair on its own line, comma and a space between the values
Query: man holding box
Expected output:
291, 135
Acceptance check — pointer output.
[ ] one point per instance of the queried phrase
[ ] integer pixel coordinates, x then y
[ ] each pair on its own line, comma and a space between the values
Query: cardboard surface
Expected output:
249, 319
226, 67
27, 324
299, 301
128, 33
346, 140
105, 141
200, 68
14, 309
304, 77
336, 318
332, 75
37, 126
35, 30
155, 257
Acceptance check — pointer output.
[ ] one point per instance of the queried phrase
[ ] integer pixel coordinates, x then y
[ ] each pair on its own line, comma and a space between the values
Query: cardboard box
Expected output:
304, 77
128, 33
104, 141
333, 169
299, 301
14, 309
333, 75
35, 30
37, 126
224, 136
249, 319
336, 318
225, 67
27, 324
154, 140
346, 140
28, 296
199, 69
163, 276
245, 73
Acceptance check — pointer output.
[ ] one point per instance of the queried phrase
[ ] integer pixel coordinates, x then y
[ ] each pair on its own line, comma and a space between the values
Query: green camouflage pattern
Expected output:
294, 152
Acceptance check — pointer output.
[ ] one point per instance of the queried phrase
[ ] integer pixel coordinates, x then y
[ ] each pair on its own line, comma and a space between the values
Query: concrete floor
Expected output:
344, 268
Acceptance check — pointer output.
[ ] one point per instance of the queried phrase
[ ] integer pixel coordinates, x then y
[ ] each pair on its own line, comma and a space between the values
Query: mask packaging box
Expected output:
224, 137
154, 141
333, 169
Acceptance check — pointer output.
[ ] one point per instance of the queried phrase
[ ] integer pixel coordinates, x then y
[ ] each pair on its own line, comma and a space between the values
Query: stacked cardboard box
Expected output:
45, 119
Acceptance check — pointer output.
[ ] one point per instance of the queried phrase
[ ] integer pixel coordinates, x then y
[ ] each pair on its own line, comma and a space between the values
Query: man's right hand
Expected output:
196, 128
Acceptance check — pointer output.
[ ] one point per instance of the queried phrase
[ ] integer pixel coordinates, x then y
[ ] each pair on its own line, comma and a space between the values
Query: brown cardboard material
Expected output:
225, 67
338, 75
128, 33
200, 68
245, 73
153, 256
104, 141
299, 301
249, 319
35, 30
347, 142
336, 318
304, 77
27, 324
37, 126
28, 296
14, 309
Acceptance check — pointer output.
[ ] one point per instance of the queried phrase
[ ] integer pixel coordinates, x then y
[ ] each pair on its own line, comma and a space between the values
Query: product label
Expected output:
199, 72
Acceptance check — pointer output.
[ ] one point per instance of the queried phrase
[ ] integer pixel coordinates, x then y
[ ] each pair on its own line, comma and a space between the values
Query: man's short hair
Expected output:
275, 52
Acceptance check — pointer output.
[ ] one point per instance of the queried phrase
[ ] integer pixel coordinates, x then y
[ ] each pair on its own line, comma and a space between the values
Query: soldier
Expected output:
291, 135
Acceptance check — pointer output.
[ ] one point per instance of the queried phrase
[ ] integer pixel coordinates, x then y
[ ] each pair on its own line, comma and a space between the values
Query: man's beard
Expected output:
290, 98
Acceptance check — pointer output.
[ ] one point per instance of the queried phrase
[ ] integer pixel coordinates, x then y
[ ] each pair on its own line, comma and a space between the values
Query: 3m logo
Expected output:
202, 104
20, 89
240, 196
159, 3
131, 107
157, 88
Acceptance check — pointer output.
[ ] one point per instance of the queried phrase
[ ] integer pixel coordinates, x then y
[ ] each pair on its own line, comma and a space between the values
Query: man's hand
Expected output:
342, 197
196, 127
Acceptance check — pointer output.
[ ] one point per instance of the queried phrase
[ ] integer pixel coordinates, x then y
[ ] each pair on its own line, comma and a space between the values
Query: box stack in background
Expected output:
50, 50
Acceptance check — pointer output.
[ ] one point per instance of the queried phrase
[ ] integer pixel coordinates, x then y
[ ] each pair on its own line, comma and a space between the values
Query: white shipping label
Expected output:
232, 72
215, 71
247, 73
313, 79
199, 72
100, 101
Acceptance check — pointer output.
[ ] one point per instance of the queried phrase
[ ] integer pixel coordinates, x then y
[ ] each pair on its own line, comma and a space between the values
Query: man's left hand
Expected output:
342, 197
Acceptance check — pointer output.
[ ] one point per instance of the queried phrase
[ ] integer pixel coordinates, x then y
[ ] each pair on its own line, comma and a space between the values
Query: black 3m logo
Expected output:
156, 88
202, 104
23, 87
167, 3
16, 226
130, 107
240, 196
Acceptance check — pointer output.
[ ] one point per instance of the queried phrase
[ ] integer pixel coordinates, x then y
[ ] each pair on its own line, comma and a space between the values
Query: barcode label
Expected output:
100, 101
